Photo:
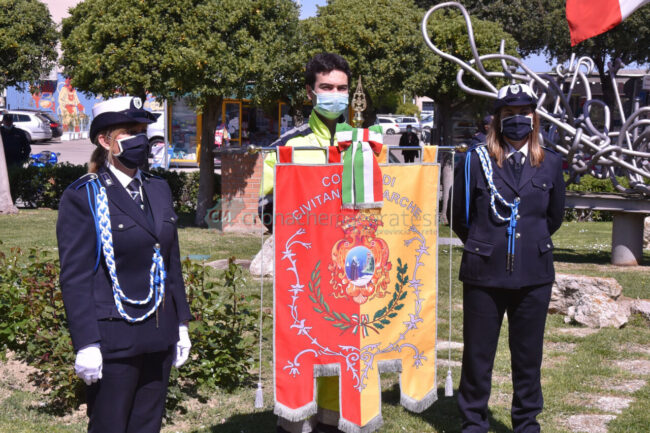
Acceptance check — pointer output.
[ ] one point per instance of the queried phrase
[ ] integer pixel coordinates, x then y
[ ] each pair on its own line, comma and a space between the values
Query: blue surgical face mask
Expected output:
331, 105
133, 150
516, 127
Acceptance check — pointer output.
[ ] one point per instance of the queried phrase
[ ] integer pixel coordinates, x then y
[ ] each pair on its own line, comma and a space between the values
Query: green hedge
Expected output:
43, 186
589, 183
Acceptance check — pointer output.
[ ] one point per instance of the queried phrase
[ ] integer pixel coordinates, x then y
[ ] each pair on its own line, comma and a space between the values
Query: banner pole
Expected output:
259, 394
449, 384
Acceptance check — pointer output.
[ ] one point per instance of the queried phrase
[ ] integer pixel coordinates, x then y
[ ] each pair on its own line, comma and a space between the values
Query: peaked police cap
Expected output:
116, 111
514, 94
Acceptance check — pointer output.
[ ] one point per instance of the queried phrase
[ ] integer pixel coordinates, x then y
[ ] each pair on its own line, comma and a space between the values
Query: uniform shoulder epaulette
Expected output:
148, 175
476, 147
83, 180
550, 150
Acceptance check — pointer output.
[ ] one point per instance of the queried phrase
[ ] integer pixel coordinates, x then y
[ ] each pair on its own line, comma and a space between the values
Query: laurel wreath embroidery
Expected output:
342, 321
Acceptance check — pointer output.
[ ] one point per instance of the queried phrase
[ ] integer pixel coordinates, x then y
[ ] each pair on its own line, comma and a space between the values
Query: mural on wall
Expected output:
72, 107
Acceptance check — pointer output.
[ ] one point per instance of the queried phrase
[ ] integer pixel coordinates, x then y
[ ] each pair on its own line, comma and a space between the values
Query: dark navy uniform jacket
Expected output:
87, 293
541, 190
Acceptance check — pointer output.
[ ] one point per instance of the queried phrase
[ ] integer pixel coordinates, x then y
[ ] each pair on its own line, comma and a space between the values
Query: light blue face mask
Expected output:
331, 105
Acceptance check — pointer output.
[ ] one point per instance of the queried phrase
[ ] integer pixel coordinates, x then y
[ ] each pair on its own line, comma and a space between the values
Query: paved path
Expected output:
73, 151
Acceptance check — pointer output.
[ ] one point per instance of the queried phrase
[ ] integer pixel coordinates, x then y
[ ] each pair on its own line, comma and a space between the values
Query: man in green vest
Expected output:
327, 78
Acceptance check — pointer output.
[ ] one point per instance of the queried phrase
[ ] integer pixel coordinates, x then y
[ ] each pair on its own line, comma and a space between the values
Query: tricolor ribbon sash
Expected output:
361, 186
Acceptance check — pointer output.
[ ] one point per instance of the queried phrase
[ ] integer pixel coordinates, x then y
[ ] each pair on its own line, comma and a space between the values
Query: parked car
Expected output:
388, 125
33, 123
55, 125
404, 121
427, 122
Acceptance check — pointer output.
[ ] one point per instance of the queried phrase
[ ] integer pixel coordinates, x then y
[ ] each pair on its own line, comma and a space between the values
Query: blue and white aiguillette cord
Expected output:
157, 272
486, 164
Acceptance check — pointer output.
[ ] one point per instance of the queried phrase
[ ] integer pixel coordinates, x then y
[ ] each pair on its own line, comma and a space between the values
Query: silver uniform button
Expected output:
548, 245
476, 249
517, 235
544, 185
517, 217
517, 199
120, 226
157, 246
172, 218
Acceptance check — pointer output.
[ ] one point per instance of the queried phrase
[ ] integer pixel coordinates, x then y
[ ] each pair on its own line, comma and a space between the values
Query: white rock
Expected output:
591, 301
264, 265
642, 307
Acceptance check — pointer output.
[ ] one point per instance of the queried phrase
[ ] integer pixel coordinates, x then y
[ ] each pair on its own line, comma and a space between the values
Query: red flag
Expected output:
589, 18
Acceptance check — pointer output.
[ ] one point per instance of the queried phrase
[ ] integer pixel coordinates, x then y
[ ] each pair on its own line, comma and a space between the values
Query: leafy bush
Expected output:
408, 108
591, 184
43, 186
223, 334
33, 325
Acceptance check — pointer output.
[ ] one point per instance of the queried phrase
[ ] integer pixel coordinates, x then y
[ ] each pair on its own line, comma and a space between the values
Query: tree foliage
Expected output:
205, 49
28, 40
380, 39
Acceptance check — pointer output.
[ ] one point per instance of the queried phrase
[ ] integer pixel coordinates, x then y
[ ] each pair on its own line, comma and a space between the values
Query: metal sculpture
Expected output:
588, 150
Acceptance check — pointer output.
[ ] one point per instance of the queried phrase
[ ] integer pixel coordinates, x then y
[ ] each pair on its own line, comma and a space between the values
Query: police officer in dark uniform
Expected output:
507, 263
15, 142
481, 134
121, 276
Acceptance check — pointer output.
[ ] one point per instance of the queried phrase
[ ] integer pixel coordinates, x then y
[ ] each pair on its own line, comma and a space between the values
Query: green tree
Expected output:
28, 40
204, 49
379, 38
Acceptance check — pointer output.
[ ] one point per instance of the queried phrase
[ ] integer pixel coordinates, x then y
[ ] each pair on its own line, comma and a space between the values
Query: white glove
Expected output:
88, 364
183, 346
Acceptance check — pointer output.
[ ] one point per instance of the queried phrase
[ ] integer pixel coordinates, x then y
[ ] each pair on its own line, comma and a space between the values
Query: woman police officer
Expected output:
121, 275
508, 201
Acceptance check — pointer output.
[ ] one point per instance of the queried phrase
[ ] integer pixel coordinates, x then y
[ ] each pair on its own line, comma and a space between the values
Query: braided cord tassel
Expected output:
486, 164
157, 272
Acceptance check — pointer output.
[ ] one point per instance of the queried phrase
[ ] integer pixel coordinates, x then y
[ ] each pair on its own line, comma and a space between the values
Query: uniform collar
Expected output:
123, 178
511, 150
321, 131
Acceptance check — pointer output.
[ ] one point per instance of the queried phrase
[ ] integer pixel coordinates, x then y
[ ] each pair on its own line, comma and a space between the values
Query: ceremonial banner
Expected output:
355, 291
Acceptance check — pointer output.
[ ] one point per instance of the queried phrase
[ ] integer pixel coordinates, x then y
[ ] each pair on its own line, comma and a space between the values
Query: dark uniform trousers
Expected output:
137, 357
491, 289
483, 311
130, 397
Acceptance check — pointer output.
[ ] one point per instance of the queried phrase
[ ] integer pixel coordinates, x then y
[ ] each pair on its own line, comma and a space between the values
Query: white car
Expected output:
388, 125
427, 122
34, 124
404, 121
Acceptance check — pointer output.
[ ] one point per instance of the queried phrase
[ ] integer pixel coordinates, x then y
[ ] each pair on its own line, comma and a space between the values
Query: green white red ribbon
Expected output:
361, 186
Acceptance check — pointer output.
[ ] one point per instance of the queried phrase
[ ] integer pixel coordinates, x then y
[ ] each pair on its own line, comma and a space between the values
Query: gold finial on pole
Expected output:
358, 105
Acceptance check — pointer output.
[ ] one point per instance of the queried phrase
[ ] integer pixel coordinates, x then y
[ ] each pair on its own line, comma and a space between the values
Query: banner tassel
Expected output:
259, 396
449, 385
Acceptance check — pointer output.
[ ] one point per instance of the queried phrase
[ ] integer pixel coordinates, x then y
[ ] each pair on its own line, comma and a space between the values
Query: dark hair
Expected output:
325, 62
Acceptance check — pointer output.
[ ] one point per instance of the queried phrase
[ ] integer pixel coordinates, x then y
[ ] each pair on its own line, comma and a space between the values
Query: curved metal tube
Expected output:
601, 153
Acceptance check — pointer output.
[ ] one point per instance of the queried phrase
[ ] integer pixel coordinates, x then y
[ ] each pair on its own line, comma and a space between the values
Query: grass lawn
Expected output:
577, 370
